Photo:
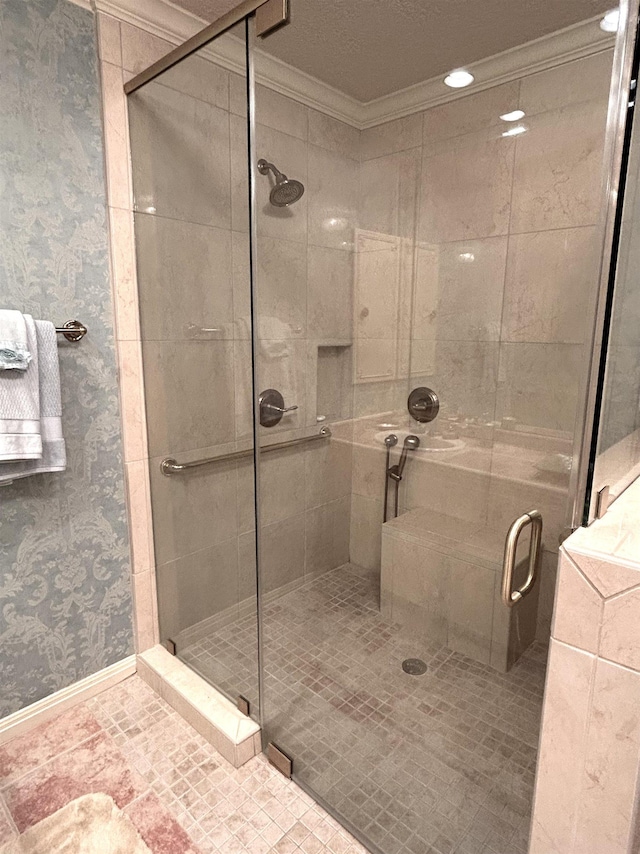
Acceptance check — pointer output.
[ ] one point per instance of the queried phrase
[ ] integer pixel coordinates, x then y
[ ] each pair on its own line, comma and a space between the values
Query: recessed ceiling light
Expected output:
459, 79
610, 21
518, 129
513, 116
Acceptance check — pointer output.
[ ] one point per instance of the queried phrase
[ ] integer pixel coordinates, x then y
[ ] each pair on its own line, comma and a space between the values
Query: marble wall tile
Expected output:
570, 674
333, 135
470, 604
375, 360
578, 612
281, 288
139, 514
549, 274
140, 49
240, 253
181, 168
238, 95
539, 384
185, 280
282, 552
329, 293
332, 199
289, 154
389, 193
466, 188
470, 288
571, 83
109, 43
197, 586
116, 138
190, 401
195, 512
368, 470
469, 114
123, 273
607, 576
547, 594
282, 485
607, 801
465, 377
421, 591
556, 178
366, 531
327, 536
390, 137
130, 376
463, 493
283, 114
281, 365
619, 637
247, 576
200, 79
328, 472
239, 174
145, 610
510, 498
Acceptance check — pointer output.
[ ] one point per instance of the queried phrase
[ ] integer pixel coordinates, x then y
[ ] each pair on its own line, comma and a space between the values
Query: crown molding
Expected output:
168, 21
575, 42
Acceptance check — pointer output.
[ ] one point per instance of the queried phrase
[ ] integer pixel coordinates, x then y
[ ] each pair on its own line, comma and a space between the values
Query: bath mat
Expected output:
92, 824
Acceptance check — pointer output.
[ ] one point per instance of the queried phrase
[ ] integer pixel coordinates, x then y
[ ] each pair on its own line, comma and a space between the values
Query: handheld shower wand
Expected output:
411, 443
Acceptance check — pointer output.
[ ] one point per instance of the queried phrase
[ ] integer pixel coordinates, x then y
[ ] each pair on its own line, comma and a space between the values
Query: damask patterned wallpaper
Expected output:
65, 599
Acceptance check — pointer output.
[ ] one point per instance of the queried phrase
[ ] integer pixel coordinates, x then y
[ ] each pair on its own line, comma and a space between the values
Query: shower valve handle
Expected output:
281, 409
272, 408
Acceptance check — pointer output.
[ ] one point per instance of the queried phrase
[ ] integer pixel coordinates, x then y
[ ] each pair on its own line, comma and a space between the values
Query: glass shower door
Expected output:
442, 252
189, 137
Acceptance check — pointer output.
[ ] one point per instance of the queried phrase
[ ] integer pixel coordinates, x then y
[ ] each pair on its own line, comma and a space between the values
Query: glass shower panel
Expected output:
453, 250
190, 180
617, 461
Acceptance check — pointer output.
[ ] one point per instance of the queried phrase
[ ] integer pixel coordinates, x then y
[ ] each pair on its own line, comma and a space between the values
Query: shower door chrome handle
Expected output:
533, 518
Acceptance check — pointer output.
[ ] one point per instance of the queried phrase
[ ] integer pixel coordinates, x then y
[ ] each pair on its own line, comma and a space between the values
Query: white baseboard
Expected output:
50, 707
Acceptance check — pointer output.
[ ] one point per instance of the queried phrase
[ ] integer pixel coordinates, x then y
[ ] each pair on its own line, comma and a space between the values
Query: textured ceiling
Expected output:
369, 48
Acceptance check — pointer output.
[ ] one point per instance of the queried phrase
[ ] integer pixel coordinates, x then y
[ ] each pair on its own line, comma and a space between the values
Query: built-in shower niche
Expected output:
441, 581
333, 381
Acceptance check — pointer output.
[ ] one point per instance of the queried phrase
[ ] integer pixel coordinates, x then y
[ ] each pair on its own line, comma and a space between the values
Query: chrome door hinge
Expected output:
602, 501
279, 759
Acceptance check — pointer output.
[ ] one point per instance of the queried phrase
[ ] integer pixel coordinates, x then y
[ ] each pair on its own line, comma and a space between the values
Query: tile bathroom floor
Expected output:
182, 796
440, 763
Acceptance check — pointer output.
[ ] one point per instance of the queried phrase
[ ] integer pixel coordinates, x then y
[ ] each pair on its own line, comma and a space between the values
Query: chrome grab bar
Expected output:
170, 466
533, 518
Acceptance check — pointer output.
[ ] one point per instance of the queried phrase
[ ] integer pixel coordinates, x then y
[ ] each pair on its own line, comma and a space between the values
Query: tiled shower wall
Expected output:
65, 596
358, 185
190, 181
501, 316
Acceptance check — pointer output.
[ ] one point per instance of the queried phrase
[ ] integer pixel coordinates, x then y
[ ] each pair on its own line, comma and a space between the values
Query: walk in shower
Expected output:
356, 280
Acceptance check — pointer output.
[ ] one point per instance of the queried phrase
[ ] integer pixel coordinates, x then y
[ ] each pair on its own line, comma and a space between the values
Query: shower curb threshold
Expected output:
234, 735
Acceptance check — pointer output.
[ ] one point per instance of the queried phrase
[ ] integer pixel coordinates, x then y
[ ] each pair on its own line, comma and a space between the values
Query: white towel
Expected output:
14, 349
54, 456
20, 406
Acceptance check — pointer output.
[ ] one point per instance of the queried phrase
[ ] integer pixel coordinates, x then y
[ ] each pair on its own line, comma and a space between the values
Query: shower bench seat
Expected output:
441, 579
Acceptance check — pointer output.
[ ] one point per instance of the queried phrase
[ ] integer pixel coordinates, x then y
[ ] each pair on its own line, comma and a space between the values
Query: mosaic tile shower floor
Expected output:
180, 794
440, 763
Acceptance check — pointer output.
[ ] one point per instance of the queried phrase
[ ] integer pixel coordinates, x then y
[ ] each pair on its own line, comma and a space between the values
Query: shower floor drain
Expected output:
414, 666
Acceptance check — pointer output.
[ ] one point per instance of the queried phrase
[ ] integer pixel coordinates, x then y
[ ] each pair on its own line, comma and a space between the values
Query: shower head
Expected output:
286, 191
